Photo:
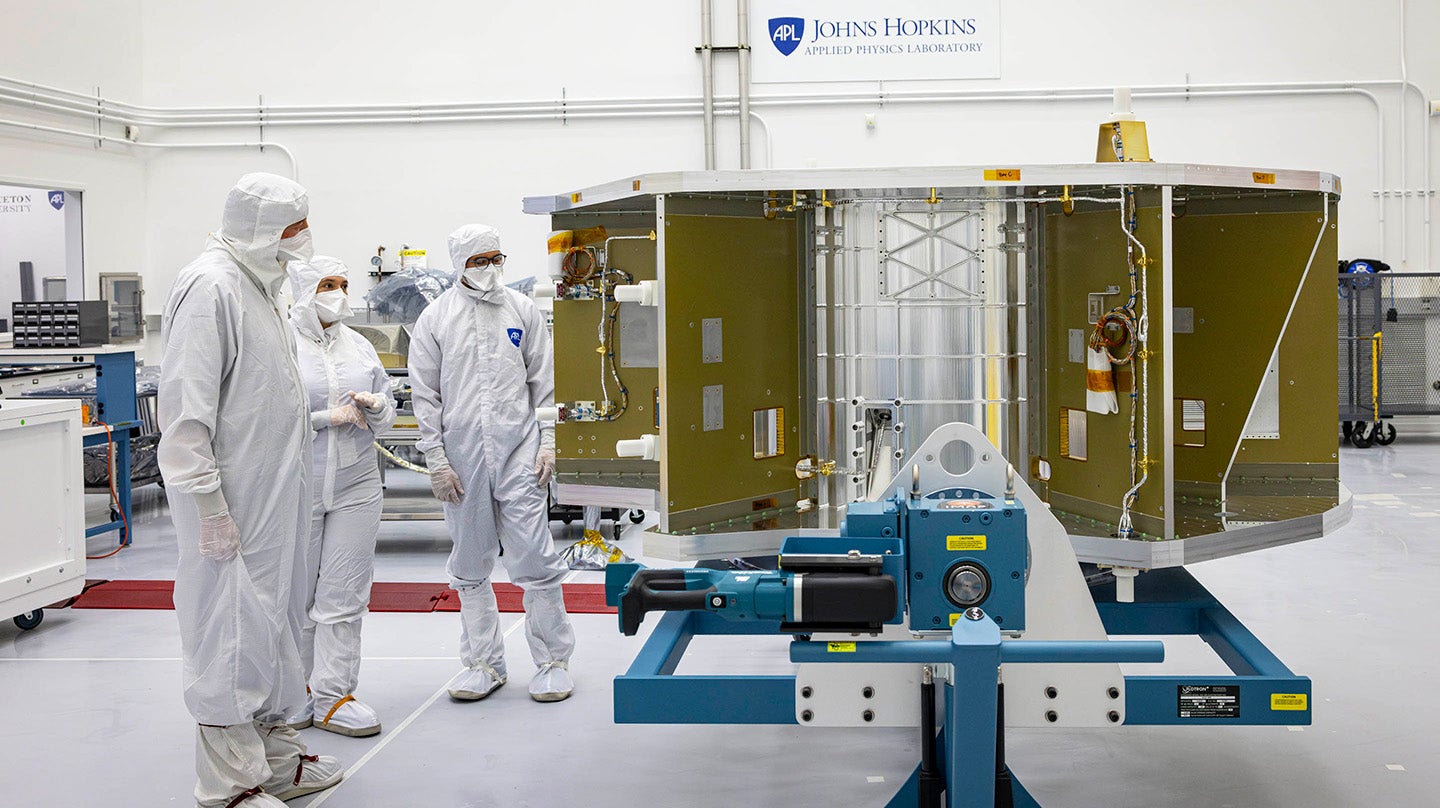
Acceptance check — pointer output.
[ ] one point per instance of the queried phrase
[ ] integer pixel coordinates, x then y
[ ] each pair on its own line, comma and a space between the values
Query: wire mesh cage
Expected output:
1389, 325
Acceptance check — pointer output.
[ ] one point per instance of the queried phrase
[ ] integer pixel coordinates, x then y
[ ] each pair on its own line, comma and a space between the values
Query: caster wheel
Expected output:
30, 620
1384, 434
1362, 437
636, 517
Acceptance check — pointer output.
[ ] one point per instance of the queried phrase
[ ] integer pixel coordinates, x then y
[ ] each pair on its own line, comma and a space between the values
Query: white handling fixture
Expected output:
42, 547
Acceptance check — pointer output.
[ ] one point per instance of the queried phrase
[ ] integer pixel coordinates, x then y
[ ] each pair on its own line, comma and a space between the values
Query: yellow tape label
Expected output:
960, 544
1289, 701
1002, 175
954, 618
1263, 178
840, 647
412, 253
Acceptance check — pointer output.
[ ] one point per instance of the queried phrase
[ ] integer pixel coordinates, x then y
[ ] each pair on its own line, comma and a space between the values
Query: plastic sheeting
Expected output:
405, 294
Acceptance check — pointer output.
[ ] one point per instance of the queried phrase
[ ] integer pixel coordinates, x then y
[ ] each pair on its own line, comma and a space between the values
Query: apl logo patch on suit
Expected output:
515, 334
786, 33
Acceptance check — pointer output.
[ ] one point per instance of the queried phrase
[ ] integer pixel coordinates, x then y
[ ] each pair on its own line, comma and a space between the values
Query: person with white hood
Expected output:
350, 403
480, 366
234, 455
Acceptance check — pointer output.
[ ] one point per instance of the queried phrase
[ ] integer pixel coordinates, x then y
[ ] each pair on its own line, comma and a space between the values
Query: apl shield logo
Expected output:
515, 334
786, 33
57, 199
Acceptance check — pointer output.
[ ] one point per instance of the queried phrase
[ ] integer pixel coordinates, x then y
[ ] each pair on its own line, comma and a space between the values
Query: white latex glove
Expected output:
443, 479
369, 401
219, 537
346, 414
544, 467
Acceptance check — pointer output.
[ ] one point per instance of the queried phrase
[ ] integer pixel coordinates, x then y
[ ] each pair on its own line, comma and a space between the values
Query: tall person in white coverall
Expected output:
350, 403
234, 453
480, 365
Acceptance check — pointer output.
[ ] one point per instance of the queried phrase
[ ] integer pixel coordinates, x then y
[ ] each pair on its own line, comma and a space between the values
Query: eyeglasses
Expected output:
482, 261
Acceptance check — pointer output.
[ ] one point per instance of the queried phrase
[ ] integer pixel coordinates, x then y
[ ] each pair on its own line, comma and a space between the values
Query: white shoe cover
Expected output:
476, 683
304, 718
312, 773
260, 800
552, 682
353, 718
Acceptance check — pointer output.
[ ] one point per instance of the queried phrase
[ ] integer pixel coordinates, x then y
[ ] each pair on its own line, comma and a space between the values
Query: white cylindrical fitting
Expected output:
642, 293
547, 415
646, 447
1125, 584
1123, 109
544, 290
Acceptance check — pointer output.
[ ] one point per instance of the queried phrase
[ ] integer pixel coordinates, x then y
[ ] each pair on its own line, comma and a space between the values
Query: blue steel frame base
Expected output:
1168, 602
1171, 601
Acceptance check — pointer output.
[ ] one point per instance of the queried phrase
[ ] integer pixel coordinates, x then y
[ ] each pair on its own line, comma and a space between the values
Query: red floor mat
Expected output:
127, 595
384, 597
579, 599
405, 597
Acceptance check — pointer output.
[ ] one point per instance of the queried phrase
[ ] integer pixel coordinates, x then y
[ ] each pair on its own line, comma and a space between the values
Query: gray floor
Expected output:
92, 713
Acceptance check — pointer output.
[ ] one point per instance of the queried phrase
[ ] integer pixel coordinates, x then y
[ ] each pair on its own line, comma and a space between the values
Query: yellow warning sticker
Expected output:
960, 544
412, 253
840, 647
1289, 701
1263, 178
1002, 175
575, 198
954, 618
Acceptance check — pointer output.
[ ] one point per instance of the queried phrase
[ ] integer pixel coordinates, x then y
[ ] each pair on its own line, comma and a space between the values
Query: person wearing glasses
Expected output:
480, 366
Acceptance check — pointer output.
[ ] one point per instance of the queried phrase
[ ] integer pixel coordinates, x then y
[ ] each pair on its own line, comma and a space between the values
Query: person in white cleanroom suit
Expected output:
480, 365
234, 452
350, 403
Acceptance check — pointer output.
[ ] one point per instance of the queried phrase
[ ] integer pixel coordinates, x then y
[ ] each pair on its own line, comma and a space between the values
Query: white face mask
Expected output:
332, 306
298, 247
482, 278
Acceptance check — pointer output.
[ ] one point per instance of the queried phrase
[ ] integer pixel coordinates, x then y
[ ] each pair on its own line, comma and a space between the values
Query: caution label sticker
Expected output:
954, 618
962, 544
1208, 701
1263, 178
840, 647
1289, 701
1002, 175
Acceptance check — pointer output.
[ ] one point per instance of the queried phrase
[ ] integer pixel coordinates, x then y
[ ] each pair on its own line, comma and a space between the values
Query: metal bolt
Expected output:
868, 692
806, 692
1113, 692
974, 613
1051, 693
1113, 716
806, 716
868, 715
718, 601
1052, 716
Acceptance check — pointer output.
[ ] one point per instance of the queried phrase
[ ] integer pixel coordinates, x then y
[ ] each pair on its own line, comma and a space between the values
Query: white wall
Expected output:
79, 45
414, 183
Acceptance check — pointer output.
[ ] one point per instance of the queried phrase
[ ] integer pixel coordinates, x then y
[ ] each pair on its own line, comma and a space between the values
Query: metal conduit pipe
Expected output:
742, 13
707, 80
95, 108
259, 144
